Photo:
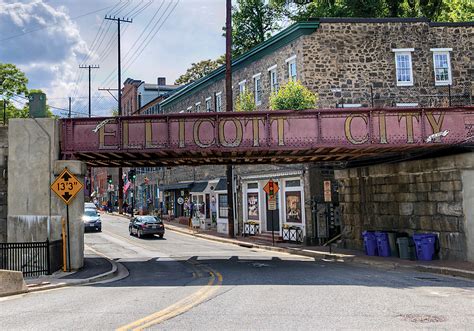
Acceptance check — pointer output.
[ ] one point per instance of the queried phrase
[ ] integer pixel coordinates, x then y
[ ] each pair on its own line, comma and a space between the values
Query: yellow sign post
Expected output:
66, 186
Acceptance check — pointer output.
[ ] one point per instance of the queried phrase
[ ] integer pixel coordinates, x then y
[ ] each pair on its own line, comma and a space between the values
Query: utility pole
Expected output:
89, 67
119, 87
69, 112
228, 107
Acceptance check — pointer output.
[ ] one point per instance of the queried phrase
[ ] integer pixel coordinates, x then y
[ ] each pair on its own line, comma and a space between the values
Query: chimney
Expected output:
161, 81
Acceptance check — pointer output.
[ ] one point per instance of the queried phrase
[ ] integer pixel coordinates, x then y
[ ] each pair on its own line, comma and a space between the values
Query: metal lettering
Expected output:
383, 128
435, 125
181, 134
255, 130
238, 133
409, 125
280, 128
348, 129
197, 139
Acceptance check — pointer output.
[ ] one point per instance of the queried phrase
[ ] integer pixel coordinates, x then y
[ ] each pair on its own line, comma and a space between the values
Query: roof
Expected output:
176, 186
270, 45
198, 187
221, 185
149, 86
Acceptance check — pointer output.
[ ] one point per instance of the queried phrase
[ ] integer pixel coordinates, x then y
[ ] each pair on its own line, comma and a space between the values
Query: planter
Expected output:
293, 234
251, 229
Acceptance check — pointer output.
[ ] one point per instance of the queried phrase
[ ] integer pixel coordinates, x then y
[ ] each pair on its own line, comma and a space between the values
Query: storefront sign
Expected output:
180, 200
272, 203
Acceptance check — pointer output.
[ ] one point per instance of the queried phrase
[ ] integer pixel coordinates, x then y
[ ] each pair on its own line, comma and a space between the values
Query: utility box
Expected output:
37, 104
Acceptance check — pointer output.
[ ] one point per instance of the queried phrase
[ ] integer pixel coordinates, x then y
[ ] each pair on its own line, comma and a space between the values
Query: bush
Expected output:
293, 95
245, 102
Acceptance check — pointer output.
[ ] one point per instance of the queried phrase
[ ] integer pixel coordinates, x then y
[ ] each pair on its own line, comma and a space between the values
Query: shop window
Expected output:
293, 207
252, 206
293, 183
223, 208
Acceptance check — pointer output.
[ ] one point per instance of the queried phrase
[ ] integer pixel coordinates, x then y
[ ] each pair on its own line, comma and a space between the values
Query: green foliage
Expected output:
199, 70
253, 21
293, 95
245, 102
12, 80
435, 10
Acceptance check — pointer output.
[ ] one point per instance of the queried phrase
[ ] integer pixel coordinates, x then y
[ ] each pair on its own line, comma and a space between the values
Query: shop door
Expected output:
273, 215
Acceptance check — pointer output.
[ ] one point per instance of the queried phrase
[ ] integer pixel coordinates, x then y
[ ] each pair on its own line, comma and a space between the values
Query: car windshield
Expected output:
90, 212
149, 219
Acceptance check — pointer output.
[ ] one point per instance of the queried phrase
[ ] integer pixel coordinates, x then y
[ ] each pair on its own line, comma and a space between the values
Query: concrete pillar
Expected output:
34, 211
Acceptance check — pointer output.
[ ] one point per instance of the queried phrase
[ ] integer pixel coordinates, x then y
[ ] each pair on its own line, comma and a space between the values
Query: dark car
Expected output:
91, 220
146, 225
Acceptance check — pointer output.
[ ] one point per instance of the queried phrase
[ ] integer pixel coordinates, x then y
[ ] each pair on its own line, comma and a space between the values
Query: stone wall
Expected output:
413, 197
3, 182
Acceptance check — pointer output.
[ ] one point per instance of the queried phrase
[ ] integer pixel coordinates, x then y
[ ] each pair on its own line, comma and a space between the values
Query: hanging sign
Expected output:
66, 186
271, 188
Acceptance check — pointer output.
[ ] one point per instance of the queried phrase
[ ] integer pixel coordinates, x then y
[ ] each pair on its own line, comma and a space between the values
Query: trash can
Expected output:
392, 241
403, 247
425, 246
383, 245
370, 244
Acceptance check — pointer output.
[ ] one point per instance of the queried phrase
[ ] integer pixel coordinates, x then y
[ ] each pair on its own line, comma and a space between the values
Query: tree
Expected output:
457, 11
199, 70
245, 102
253, 21
293, 95
12, 81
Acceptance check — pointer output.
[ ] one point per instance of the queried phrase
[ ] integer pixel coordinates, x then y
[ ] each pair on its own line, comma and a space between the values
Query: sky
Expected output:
49, 39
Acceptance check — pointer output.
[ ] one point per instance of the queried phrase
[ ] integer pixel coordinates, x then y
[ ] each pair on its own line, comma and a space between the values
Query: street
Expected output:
182, 282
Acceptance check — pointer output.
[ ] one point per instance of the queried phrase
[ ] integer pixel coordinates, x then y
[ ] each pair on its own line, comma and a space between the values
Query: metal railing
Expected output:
33, 258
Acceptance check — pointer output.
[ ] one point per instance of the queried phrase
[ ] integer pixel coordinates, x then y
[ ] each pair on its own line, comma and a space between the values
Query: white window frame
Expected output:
442, 51
407, 104
189, 109
283, 197
273, 85
219, 104
242, 86
257, 95
209, 103
349, 105
290, 61
198, 107
404, 51
245, 204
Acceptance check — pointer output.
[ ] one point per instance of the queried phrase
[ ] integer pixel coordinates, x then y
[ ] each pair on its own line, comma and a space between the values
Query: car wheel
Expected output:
139, 234
130, 231
99, 229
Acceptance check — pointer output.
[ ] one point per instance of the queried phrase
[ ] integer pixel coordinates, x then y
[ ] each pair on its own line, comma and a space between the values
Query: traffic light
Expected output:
132, 174
109, 179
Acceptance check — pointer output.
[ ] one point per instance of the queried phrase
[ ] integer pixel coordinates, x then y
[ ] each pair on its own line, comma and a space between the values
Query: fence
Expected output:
32, 259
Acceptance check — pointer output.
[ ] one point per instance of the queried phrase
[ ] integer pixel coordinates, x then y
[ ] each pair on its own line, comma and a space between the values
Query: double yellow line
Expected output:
180, 307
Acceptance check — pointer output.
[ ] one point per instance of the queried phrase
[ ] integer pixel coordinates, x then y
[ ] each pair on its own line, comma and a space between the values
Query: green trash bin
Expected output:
404, 247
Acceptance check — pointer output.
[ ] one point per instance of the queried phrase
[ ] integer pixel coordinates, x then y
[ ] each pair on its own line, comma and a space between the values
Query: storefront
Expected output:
175, 197
290, 211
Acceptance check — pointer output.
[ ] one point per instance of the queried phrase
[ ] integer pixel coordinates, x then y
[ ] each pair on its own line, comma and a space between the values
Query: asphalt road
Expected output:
182, 283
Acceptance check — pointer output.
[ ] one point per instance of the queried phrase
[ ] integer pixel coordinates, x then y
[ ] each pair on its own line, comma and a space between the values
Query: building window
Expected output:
293, 183
291, 67
272, 73
223, 208
208, 104
293, 207
442, 66
252, 205
252, 186
407, 104
242, 87
219, 102
258, 89
198, 107
190, 109
403, 66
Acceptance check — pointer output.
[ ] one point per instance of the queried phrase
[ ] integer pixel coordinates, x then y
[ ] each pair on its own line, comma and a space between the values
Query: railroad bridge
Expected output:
322, 135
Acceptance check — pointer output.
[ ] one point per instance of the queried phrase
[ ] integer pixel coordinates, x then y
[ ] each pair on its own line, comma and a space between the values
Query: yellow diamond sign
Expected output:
66, 186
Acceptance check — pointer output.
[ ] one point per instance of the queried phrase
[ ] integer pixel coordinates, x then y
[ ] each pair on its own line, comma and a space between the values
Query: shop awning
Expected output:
221, 185
177, 186
198, 187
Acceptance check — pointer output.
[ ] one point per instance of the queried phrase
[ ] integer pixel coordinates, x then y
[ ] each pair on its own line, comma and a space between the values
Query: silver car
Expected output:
91, 220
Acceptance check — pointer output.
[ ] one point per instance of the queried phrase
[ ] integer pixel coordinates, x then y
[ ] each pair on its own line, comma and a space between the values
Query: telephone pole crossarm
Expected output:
89, 67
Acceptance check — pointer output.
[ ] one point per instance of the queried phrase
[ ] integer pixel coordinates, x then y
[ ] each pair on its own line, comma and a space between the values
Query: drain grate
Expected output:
422, 318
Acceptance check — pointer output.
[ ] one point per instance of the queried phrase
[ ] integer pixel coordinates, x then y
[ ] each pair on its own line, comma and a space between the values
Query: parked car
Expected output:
91, 220
146, 225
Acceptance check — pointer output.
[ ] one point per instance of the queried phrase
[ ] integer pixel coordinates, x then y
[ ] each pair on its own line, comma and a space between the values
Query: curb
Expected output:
106, 275
446, 271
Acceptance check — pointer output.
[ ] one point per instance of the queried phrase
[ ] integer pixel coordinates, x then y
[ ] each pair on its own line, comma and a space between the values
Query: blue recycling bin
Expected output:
370, 243
383, 244
425, 246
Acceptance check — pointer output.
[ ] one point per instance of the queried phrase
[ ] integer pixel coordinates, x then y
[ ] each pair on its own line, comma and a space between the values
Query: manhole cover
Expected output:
422, 318
432, 279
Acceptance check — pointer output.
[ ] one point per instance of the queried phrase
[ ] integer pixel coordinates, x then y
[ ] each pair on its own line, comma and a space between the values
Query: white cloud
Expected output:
48, 56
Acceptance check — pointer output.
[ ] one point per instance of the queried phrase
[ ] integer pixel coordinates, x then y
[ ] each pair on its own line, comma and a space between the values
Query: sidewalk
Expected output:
450, 268
95, 269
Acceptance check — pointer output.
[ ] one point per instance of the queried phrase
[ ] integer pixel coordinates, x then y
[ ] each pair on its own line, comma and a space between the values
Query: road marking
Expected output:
181, 306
